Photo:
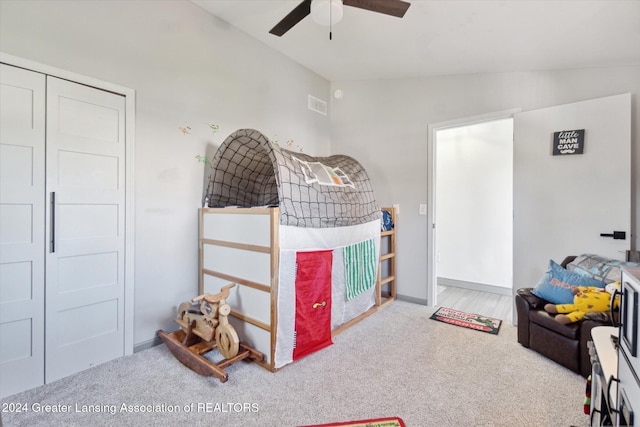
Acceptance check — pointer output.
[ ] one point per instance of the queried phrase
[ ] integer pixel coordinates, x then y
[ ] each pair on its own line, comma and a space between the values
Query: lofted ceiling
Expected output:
443, 37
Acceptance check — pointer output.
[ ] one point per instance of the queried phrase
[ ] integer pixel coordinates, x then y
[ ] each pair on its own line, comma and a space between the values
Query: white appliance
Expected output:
628, 400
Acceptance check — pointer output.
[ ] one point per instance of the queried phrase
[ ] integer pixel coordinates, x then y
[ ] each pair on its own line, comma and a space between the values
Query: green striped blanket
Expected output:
360, 267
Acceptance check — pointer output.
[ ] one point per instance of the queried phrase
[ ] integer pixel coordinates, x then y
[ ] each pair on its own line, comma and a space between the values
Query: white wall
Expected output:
384, 124
188, 69
474, 203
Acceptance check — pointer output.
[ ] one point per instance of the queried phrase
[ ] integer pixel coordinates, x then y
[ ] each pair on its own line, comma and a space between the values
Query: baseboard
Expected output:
474, 286
412, 299
147, 344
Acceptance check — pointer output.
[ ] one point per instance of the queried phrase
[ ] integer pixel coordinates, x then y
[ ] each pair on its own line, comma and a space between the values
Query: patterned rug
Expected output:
467, 320
378, 422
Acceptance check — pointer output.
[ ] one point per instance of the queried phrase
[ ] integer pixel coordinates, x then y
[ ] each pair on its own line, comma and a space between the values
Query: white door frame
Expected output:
431, 189
129, 95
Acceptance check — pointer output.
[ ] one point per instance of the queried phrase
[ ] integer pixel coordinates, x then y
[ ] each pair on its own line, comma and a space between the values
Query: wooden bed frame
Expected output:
244, 237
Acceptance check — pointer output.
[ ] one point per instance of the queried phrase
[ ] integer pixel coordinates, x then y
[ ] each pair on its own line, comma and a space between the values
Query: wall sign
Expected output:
568, 142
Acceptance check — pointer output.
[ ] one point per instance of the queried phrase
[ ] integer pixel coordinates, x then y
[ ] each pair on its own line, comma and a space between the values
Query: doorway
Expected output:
471, 205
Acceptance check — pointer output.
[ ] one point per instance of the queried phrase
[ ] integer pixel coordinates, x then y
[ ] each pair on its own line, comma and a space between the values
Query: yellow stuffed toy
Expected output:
585, 300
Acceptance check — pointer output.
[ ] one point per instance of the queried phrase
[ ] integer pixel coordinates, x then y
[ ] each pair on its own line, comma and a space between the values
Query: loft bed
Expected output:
300, 236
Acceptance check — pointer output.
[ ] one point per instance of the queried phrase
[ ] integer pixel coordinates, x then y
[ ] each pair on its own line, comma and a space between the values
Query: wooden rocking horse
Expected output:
205, 327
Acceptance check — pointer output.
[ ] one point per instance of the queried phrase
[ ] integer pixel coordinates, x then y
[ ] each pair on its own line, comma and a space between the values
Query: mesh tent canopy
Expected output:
318, 192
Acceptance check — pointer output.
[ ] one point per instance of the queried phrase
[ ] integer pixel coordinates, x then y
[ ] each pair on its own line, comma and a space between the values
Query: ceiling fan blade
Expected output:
295, 16
389, 7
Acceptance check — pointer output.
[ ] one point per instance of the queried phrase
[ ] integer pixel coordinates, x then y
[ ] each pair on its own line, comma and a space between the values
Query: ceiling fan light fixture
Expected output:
326, 12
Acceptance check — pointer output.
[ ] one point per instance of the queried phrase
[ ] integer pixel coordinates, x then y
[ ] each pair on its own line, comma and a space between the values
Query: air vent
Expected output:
317, 105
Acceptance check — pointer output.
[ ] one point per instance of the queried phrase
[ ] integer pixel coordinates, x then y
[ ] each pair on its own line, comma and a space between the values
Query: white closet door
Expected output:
86, 226
22, 161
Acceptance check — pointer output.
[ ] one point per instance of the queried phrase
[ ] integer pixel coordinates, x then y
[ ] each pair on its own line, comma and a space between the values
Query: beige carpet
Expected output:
394, 363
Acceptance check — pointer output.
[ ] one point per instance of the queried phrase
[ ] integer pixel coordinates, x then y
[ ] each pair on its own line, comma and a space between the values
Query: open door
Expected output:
564, 203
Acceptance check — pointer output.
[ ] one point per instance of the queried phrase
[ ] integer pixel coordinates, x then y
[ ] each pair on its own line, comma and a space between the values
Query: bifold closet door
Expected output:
85, 217
22, 235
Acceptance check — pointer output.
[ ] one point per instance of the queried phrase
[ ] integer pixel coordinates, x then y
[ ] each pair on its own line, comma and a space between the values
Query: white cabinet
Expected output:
615, 360
62, 227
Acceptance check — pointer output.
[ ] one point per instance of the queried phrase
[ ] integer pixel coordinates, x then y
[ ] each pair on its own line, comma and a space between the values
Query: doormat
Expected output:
378, 422
467, 320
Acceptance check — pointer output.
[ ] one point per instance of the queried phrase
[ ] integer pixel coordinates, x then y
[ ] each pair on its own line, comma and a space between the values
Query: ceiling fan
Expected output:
330, 11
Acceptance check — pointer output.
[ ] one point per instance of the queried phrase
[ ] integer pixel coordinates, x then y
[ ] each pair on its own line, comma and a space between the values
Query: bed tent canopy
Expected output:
249, 170
322, 266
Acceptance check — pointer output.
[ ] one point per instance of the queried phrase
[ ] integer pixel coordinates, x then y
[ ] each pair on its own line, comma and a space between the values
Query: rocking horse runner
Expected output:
206, 327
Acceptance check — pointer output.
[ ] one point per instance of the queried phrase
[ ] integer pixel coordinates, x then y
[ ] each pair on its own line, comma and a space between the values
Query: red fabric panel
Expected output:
313, 302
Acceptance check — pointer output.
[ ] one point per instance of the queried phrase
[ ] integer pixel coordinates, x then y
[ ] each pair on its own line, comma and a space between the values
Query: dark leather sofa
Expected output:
564, 344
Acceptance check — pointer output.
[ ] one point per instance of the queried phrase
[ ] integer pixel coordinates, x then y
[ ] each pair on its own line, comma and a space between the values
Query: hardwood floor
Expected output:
477, 302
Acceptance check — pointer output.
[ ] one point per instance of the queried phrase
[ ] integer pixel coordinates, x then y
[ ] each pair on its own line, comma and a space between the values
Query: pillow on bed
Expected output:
556, 284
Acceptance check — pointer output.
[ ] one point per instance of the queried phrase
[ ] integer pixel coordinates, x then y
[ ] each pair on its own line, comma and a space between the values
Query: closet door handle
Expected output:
53, 222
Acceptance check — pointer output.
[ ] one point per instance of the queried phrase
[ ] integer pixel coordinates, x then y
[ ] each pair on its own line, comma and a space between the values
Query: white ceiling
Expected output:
442, 37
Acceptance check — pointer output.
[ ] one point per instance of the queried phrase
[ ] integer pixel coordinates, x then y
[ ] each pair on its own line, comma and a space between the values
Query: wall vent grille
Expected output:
317, 105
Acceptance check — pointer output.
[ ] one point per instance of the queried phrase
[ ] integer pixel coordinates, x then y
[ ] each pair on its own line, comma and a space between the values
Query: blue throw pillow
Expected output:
556, 284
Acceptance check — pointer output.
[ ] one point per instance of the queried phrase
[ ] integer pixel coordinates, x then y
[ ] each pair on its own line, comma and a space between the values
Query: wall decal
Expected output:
290, 144
186, 130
